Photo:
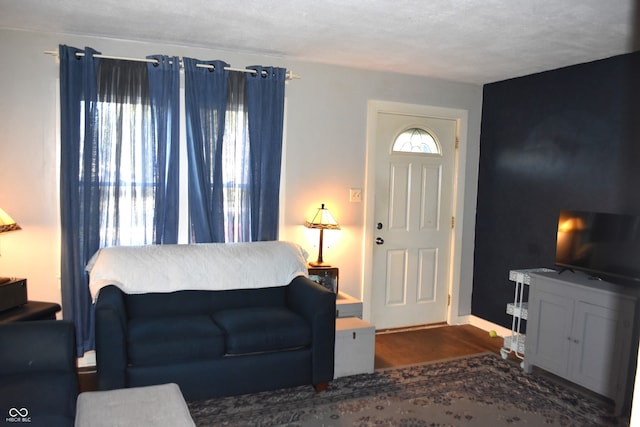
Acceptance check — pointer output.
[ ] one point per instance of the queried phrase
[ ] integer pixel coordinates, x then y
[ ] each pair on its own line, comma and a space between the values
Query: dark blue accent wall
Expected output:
562, 139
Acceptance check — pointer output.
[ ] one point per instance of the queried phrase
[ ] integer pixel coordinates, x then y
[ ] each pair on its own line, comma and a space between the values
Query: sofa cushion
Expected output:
260, 329
159, 340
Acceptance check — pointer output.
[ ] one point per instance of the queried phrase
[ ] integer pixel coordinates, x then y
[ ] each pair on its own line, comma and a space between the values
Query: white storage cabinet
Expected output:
348, 306
581, 329
355, 347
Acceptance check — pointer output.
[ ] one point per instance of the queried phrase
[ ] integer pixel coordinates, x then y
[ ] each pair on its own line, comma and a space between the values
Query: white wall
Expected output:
324, 154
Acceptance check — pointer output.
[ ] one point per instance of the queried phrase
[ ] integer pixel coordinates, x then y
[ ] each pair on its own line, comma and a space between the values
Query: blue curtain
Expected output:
78, 204
234, 143
119, 165
205, 109
164, 96
265, 96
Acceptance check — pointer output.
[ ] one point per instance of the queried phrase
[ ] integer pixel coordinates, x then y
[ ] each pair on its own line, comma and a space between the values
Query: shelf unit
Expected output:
519, 310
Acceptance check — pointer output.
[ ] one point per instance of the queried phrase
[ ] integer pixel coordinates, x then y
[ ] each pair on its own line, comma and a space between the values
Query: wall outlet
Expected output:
355, 195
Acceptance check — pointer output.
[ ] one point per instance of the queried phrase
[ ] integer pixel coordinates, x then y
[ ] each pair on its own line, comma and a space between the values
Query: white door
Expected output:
413, 216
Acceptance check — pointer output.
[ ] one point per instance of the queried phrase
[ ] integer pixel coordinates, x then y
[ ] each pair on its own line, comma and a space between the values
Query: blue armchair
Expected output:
38, 376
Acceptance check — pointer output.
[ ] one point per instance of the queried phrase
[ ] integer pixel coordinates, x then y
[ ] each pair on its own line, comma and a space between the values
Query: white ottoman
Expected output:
152, 406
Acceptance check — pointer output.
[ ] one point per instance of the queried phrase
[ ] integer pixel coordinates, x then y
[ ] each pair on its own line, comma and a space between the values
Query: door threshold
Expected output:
411, 328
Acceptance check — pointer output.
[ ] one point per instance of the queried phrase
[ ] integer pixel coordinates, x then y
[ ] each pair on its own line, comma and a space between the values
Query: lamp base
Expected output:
319, 264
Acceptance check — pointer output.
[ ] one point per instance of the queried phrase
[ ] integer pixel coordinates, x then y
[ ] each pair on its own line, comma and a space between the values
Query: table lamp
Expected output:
6, 224
322, 220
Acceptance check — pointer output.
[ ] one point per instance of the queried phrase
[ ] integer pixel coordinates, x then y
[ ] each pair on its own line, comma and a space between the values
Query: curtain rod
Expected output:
289, 76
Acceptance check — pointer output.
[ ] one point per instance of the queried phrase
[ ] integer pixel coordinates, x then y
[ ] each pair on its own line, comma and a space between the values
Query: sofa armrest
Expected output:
37, 346
111, 338
318, 306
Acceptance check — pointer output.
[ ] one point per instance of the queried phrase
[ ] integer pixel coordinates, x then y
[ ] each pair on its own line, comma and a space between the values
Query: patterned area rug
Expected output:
481, 390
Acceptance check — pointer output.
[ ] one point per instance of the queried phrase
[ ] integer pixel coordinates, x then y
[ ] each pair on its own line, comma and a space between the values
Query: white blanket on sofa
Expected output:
205, 266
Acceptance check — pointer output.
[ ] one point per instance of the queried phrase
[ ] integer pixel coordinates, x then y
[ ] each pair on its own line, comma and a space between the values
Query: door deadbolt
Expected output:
379, 226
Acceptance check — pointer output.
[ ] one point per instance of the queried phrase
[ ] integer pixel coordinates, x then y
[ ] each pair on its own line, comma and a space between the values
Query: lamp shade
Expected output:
7, 223
322, 220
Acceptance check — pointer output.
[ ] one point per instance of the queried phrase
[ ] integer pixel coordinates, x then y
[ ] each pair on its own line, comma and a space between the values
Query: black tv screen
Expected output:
604, 245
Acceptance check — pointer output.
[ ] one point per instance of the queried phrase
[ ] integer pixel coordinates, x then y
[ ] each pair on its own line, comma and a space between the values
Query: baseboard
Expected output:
488, 326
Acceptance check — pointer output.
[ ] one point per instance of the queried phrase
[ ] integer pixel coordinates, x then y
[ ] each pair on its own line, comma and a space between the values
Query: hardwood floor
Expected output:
404, 347
419, 345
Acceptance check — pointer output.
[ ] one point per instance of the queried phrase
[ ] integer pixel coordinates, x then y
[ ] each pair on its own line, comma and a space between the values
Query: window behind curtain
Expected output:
125, 154
235, 163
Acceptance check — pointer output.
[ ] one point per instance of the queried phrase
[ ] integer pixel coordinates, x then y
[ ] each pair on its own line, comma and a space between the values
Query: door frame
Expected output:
374, 107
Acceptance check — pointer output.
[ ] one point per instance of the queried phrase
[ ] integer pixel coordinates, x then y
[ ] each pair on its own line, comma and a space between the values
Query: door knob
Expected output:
379, 240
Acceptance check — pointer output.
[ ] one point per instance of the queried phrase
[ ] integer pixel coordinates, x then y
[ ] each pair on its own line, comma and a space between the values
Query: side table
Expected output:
32, 310
326, 276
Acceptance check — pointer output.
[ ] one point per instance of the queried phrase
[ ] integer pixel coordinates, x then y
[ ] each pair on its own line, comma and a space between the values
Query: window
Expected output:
126, 149
416, 140
235, 165
126, 144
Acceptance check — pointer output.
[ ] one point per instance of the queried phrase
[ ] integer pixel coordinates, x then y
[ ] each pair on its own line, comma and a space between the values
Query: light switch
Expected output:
355, 195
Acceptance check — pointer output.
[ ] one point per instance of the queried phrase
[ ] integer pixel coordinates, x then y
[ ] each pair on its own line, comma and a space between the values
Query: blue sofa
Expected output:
38, 378
216, 342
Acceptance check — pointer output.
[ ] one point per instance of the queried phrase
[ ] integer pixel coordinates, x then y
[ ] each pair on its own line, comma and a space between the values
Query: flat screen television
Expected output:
604, 245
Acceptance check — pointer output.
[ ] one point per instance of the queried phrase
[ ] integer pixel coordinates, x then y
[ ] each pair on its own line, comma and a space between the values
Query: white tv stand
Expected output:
582, 329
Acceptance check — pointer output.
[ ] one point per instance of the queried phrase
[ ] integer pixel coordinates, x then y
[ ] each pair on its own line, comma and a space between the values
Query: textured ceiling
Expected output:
476, 41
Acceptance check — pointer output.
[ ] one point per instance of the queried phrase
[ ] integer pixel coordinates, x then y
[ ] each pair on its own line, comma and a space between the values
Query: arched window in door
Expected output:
416, 140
